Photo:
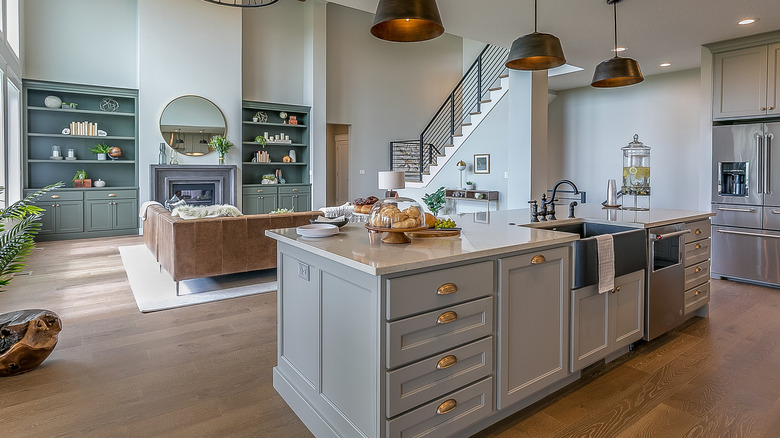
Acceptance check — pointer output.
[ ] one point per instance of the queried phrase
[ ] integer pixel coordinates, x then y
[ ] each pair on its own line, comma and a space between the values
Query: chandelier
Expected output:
243, 3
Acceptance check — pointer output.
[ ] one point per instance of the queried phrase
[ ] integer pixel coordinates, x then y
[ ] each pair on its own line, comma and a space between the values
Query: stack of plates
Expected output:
317, 230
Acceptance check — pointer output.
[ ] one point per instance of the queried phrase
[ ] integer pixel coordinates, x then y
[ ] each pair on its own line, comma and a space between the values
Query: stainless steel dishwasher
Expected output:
665, 279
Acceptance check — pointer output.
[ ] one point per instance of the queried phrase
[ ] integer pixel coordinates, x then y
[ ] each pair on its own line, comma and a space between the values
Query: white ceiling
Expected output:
654, 31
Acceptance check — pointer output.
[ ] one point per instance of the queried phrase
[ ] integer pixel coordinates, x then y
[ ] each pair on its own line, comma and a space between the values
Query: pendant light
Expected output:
407, 20
243, 3
617, 71
536, 51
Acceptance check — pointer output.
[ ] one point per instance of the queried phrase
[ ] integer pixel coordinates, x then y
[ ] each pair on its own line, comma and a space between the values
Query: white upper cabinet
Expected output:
746, 82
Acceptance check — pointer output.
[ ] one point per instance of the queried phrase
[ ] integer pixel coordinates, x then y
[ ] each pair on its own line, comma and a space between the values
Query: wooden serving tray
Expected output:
434, 232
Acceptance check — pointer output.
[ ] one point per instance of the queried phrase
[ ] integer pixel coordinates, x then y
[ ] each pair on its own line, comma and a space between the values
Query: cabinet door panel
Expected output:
99, 215
259, 204
740, 83
627, 309
302, 202
69, 217
48, 218
773, 81
590, 326
534, 323
287, 201
125, 214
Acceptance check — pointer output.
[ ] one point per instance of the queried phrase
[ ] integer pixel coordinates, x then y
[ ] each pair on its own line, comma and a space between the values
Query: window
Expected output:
12, 32
13, 177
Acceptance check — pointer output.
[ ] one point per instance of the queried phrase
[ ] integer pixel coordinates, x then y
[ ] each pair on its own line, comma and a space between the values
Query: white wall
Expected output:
386, 91
82, 41
587, 128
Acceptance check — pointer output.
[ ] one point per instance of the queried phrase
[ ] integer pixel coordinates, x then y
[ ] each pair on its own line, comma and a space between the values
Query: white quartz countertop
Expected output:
482, 235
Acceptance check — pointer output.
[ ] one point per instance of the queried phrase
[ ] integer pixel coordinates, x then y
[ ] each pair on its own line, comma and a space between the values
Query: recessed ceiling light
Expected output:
747, 21
619, 49
665, 64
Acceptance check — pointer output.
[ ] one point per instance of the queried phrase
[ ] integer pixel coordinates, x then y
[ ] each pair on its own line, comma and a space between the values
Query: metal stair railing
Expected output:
416, 156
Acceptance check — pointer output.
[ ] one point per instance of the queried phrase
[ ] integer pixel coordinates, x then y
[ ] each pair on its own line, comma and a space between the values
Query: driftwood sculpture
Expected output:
27, 337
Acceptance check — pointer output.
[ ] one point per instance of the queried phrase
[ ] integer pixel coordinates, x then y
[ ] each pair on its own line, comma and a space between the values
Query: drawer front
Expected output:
697, 297
292, 190
697, 274
265, 189
413, 338
737, 215
699, 230
772, 218
445, 287
697, 252
447, 415
430, 378
57, 195
110, 194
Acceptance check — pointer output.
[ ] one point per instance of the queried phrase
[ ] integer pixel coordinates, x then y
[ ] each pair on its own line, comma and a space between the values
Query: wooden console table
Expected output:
452, 195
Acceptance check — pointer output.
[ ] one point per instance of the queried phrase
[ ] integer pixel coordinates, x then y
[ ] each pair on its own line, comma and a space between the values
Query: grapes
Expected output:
445, 223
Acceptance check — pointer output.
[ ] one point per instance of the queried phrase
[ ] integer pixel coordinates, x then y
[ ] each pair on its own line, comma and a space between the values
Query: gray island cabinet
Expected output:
442, 336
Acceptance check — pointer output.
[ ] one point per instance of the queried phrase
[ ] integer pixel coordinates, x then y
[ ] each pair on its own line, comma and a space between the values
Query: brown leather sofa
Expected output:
195, 248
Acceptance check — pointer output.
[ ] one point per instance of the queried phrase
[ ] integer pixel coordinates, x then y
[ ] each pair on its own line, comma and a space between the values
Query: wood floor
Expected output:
205, 371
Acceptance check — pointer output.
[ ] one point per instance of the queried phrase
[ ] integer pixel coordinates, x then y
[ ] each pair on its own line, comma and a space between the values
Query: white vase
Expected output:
291, 154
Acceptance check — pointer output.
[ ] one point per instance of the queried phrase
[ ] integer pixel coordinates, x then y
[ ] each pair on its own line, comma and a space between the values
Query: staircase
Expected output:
480, 89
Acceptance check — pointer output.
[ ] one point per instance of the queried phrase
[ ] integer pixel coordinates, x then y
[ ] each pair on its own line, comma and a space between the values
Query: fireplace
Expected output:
198, 185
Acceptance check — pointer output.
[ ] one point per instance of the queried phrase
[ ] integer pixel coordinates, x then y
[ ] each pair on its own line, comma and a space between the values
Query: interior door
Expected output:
342, 169
772, 145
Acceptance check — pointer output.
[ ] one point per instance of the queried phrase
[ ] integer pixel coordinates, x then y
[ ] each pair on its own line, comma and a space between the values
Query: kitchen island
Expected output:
439, 337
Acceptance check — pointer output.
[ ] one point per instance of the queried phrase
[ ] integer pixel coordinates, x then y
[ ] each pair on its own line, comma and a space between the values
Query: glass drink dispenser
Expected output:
636, 175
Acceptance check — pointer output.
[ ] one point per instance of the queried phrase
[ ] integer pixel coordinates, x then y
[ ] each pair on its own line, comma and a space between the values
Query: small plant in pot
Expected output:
435, 200
101, 149
470, 185
222, 145
80, 179
260, 139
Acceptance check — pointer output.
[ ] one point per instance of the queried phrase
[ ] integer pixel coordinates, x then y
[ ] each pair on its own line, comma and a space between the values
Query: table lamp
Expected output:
390, 180
461, 167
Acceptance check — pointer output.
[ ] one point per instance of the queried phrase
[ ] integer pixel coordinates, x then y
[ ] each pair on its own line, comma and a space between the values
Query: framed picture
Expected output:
481, 163
482, 217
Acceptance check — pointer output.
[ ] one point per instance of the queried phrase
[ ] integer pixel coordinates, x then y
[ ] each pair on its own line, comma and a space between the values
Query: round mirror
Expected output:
188, 122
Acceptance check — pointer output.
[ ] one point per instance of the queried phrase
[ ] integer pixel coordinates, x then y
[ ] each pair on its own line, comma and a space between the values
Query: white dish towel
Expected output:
606, 259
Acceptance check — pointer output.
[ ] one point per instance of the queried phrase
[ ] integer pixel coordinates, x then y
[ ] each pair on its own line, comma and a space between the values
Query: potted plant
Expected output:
80, 179
435, 200
470, 185
221, 145
101, 149
29, 336
260, 139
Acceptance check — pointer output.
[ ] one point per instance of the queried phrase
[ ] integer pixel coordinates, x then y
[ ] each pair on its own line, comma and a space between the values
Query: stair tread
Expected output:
495, 89
485, 101
457, 135
475, 113
466, 124
505, 75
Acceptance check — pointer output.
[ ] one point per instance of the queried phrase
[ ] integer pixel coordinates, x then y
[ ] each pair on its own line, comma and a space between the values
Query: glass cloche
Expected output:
396, 214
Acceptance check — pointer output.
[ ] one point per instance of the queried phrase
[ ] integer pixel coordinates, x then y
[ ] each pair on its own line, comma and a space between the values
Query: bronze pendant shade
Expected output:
407, 20
243, 3
535, 51
616, 72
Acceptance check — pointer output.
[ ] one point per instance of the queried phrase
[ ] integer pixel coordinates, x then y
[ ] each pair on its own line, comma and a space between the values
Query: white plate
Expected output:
317, 230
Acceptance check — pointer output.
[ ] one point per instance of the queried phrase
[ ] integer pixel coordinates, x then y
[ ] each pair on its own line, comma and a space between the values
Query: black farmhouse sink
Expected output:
630, 249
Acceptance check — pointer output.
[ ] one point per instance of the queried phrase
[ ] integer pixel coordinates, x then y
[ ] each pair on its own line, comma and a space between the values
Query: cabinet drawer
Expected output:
288, 190
697, 297
57, 195
447, 415
429, 378
772, 218
697, 252
699, 230
265, 189
747, 216
445, 287
697, 274
419, 336
110, 194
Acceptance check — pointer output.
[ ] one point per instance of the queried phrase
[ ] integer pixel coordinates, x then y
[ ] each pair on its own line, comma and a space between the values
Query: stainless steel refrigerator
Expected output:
746, 198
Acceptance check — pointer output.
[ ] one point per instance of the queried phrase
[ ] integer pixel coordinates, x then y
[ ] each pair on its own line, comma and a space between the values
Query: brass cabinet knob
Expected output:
698, 269
698, 231
446, 289
698, 246
446, 317
616, 290
771, 108
763, 108
697, 292
537, 259
446, 362
446, 406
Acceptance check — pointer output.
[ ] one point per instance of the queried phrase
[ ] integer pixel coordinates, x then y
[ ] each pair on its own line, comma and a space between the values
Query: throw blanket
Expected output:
144, 206
205, 211
342, 210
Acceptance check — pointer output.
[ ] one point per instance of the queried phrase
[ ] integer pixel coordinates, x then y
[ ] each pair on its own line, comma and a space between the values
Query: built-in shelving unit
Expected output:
295, 191
82, 212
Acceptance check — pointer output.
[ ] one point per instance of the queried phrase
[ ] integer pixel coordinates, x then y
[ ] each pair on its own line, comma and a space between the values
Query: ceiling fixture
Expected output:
407, 20
617, 71
747, 21
665, 64
619, 49
243, 3
536, 51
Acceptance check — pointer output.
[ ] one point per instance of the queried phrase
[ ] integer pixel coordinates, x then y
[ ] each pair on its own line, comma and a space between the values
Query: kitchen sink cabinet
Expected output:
533, 331
602, 324
746, 82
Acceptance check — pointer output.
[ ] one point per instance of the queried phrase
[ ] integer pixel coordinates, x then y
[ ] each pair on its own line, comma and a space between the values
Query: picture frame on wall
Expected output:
481, 163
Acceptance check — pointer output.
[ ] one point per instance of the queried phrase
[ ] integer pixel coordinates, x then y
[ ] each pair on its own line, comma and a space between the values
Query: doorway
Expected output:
337, 190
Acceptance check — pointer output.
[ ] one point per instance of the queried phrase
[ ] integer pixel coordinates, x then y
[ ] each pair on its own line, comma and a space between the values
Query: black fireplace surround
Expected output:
164, 178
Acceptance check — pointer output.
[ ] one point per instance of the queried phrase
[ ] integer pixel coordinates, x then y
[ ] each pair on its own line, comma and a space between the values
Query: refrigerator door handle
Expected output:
742, 233
767, 162
761, 164
739, 210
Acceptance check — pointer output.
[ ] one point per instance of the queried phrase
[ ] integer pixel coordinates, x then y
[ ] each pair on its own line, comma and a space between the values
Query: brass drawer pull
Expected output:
55, 196
112, 195
698, 269
446, 289
537, 259
447, 406
697, 292
446, 362
446, 317
698, 246
259, 190
294, 190
698, 231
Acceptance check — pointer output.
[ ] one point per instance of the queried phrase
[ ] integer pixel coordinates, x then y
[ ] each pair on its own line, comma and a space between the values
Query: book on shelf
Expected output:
84, 128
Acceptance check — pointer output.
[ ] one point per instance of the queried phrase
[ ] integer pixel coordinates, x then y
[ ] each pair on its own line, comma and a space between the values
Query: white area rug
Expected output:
154, 289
